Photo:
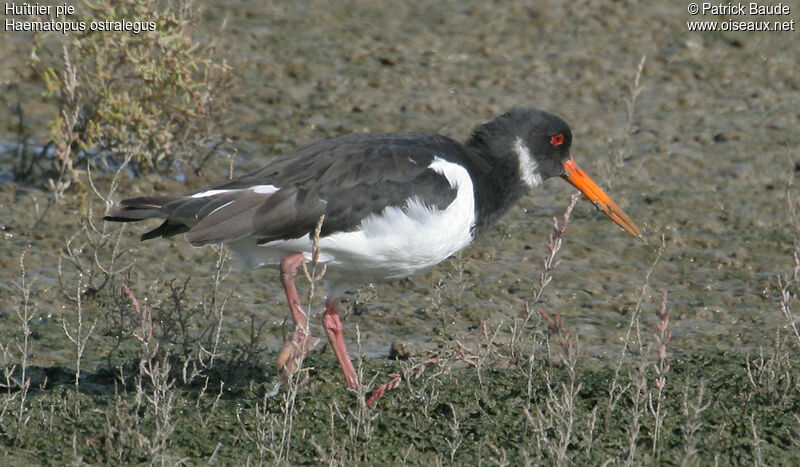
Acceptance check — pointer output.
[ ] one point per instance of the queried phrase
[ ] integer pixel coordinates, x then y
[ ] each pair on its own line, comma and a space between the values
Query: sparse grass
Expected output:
661, 337
148, 413
616, 159
17, 381
692, 413
520, 329
78, 335
447, 295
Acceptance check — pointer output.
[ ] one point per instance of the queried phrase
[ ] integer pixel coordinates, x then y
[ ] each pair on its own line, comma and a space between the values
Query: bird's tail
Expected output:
150, 207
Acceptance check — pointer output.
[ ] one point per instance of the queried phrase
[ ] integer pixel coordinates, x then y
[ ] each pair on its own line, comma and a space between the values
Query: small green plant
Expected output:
152, 99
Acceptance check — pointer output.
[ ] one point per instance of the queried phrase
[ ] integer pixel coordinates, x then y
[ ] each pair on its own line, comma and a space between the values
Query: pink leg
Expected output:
333, 327
296, 348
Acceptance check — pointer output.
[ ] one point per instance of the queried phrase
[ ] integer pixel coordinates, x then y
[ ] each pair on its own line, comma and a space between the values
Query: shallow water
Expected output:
707, 166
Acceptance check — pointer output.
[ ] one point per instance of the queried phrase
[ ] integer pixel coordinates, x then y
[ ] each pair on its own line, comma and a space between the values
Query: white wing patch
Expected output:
260, 189
528, 168
210, 193
264, 189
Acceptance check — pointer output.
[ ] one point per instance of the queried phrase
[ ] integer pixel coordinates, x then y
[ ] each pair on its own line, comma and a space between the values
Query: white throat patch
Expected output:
528, 168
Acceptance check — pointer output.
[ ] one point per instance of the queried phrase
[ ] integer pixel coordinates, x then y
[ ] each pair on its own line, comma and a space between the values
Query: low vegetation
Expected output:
146, 101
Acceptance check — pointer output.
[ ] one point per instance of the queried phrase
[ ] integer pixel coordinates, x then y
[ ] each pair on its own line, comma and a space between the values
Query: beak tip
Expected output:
632, 229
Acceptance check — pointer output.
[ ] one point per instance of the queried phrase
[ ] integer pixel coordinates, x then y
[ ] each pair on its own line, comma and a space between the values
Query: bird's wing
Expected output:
347, 178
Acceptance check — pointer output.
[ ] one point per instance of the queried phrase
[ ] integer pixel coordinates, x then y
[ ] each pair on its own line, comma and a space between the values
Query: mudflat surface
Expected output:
706, 168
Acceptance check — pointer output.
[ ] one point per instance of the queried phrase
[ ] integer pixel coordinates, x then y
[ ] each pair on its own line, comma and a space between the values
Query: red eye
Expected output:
557, 140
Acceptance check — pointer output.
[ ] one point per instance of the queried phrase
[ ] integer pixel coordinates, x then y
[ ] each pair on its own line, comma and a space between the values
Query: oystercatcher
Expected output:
394, 204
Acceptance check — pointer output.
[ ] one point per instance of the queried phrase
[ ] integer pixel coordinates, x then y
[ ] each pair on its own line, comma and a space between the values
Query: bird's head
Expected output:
539, 142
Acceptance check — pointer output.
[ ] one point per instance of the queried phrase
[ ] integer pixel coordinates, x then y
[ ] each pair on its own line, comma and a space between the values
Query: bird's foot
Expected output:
381, 389
396, 379
294, 351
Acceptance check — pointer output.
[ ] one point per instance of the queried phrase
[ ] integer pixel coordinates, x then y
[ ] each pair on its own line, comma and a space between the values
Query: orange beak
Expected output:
578, 178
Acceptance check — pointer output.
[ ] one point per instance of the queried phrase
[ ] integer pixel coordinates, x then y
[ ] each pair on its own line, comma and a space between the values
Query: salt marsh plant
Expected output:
154, 99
